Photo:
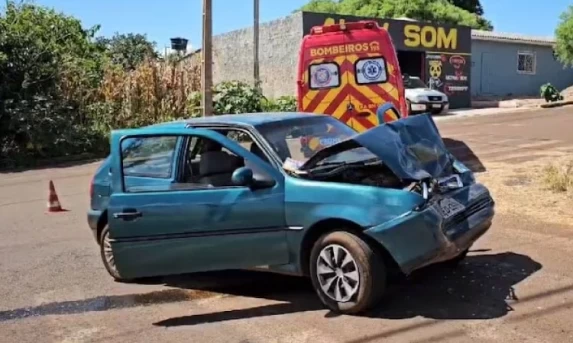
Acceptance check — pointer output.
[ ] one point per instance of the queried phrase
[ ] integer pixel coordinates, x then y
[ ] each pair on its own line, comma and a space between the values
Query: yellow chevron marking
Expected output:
341, 109
356, 125
390, 89
392, 115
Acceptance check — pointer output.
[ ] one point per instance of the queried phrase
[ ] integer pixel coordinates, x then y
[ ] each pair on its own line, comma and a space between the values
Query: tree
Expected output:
36, 43
49, 66
472, 6
128, 50
437, 11
564, 38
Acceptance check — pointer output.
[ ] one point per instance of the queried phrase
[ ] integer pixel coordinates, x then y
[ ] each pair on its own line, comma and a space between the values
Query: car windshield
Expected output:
414, 82
301, 138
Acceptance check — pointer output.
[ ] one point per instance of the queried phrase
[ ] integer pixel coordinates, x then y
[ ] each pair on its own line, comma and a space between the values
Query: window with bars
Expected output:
526, 62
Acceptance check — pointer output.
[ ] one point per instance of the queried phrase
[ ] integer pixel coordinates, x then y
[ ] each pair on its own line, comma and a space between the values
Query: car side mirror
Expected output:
405, 77
243, 177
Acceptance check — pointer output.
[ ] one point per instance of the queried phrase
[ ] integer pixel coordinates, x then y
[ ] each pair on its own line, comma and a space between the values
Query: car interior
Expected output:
208, 163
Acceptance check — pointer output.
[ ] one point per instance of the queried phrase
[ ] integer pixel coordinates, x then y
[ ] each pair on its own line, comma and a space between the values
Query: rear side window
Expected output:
371, 70
148, 156
324, 75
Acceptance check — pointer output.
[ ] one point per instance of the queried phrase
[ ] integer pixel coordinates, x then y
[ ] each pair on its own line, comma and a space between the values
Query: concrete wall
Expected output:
279, 42
494, 70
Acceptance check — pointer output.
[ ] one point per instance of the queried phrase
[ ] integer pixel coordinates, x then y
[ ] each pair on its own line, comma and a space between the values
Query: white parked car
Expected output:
422, 99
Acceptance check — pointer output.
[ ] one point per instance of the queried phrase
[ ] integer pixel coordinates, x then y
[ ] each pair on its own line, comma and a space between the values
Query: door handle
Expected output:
127, 214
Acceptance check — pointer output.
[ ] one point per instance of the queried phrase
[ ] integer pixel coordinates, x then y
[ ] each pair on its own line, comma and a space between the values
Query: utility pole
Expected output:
207, 59
256, 43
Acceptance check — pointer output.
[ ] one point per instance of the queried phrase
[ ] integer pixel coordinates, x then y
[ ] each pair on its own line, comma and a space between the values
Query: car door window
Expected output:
206, 163
150, 157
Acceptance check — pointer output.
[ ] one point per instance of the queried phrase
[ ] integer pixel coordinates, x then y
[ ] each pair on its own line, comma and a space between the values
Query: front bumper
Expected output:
433, 107
423, 237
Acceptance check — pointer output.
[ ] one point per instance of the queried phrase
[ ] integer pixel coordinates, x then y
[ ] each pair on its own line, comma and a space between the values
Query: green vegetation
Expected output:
564, 37
127, 50
550, 93
460, 12
63, 89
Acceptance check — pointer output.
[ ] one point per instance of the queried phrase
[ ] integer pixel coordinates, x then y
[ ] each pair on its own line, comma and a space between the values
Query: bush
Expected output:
234, 97
550, 93
559, 178
230, 97
41, 128
282, 104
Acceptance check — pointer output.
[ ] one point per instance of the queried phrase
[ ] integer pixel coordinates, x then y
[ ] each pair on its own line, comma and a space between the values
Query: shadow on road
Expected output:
465, 154
481, 288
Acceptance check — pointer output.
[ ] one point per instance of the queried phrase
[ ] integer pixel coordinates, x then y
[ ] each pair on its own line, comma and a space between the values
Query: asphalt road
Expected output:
516, 285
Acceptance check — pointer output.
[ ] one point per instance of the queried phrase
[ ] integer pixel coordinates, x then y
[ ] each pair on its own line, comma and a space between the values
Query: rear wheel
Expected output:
107, 255
347, 274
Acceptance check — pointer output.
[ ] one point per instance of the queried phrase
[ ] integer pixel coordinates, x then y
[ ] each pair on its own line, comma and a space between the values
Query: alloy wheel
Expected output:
108, 253
337, 273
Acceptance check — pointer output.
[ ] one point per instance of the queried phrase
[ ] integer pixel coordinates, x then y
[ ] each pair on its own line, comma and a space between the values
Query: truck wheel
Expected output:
107, 255
347, 274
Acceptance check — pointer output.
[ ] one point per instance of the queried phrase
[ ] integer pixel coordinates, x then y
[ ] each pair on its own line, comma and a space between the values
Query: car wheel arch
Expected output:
314, 232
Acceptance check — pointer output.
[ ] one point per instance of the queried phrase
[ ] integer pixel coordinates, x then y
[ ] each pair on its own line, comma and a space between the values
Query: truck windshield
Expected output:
414, 82
301, 138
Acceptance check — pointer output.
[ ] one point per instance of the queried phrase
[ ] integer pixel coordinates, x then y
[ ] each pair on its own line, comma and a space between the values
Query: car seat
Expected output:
216, 167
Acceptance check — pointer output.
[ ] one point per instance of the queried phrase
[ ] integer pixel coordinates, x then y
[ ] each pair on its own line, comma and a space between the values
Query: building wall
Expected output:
279, 41
494, 70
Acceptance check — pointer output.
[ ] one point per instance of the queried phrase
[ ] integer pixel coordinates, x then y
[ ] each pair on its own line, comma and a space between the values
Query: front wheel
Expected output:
347, 274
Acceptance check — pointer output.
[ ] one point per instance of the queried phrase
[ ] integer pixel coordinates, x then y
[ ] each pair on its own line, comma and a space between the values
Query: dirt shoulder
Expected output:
520, 189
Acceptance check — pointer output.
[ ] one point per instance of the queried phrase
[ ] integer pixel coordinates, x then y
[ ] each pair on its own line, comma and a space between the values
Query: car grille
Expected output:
473, 209
435, 98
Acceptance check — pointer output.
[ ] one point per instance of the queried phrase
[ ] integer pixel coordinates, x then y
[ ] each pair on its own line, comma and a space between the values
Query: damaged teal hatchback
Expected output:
236, 192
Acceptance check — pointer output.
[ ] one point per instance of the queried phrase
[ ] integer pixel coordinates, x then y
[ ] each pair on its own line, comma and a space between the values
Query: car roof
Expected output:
244, 119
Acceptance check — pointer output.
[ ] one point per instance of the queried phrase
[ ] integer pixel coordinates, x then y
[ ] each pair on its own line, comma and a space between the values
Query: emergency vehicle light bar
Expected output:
349, 26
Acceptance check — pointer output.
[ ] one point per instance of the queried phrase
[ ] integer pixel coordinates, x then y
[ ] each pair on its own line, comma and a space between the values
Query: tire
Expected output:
107, 256
367, 267
456, 261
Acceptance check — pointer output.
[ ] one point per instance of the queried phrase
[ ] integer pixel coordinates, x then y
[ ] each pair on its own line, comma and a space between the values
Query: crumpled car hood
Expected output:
411, 147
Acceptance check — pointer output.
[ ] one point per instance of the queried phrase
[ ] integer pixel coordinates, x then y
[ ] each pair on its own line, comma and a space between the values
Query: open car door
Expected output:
181, 226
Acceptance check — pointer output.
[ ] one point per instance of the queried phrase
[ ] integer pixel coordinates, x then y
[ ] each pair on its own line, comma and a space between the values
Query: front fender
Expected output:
308, 202
362, 216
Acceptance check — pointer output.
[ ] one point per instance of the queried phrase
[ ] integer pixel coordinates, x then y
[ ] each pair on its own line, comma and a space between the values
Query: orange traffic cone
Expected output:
53, 201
